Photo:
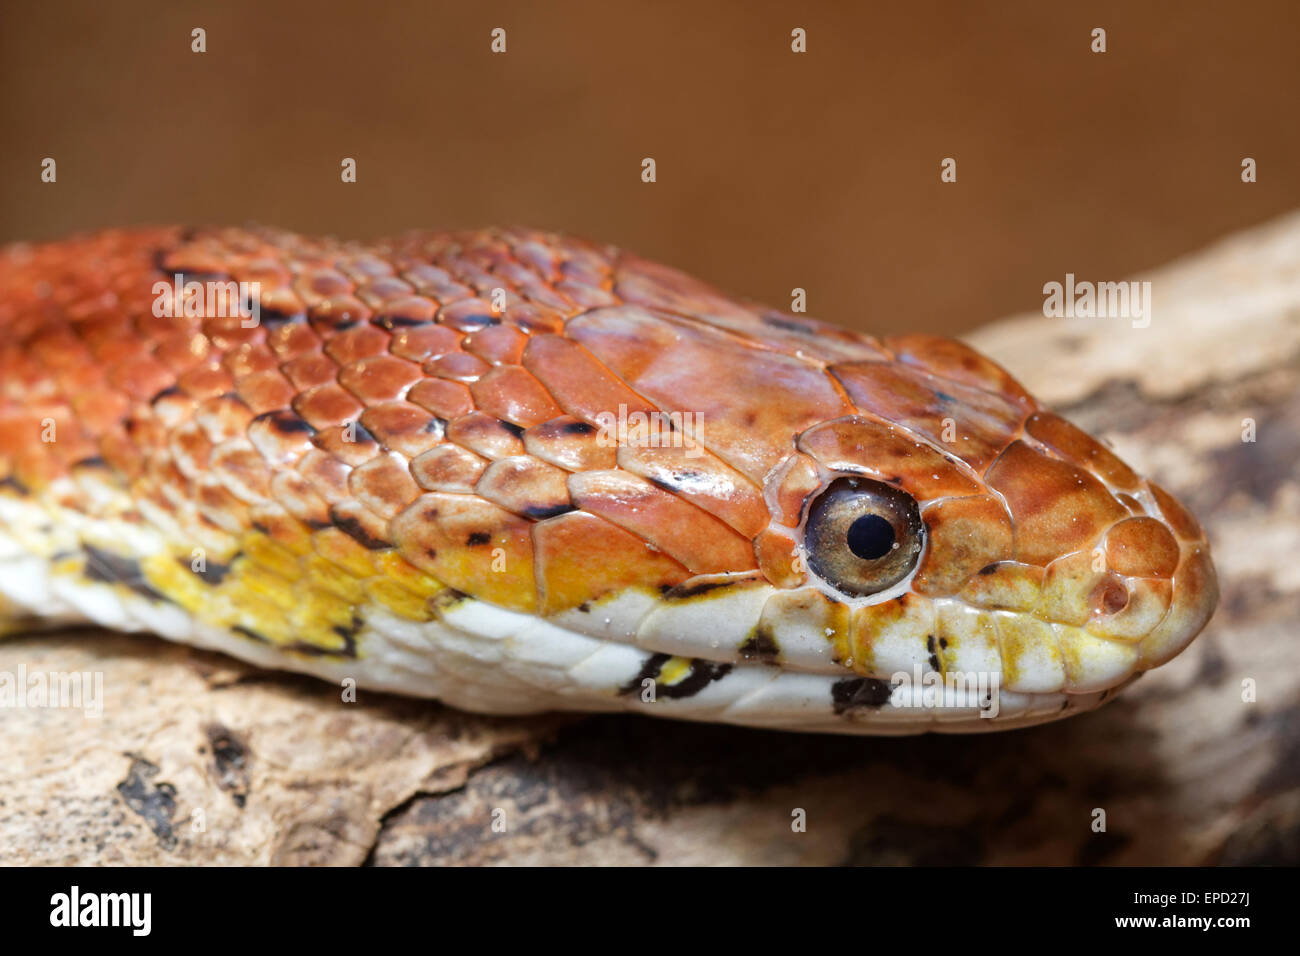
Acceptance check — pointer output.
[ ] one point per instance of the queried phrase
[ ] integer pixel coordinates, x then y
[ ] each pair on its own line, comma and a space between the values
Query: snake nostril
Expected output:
1110, 597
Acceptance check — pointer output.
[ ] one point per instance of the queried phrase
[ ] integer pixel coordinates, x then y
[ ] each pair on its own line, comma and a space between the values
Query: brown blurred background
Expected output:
775, 170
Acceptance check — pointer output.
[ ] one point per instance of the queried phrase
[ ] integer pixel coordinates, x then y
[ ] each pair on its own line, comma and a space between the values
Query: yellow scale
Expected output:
298, 589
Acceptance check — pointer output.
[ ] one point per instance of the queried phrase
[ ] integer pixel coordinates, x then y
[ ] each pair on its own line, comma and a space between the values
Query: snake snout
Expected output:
1121, 558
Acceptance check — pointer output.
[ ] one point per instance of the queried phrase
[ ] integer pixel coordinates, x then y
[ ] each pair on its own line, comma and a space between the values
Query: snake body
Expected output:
515, 472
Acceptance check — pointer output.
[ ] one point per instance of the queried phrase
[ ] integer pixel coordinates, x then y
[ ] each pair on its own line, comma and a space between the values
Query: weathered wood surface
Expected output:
1185, 769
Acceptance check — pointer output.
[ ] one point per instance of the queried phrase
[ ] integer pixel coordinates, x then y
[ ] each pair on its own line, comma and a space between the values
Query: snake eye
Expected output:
863, 536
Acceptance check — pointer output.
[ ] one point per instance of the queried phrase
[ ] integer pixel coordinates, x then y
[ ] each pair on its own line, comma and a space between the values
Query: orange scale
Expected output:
586, 263
121, 454
584, 270
1007, 585
1195, 594
468, 315
295, 494
281, 436
778, 557
628, 340
538, 256
971, 423
366, 267
888, 454
284, 529
702, 479
638, 282
1056, 507
422, 276
249, 358
37, 469
57, 349
170, 407
227, 332
319, 284
485, 435
171, 487
447, 292
242, 471
326, 473
448, 468
526, 486
308, 371
471, 545
223, 416
141, 377
497, 344
354, 344
205, 381
216, 504
117, 351
384, 485
581, 558
282, 302
181, 350
349, 442
513, 272
1178, 517
1080, 448
424, 341
265, 391
751, 403
112, 348
510, 393
585, 296
74, 445
543, 311
381, 293
444, 398
382, 378
571, 444
808, 338
788, 490
196, 257
404, 313
578, 383
79, 386
701, 542
292, 340
29, 379
1141, 547
365, 527
457, 366
403, 427
959, 362
327, 405
190, 447
963, 536
269, 272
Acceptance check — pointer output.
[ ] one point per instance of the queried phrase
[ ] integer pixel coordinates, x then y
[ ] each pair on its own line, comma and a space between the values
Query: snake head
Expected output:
918, 514
953, 526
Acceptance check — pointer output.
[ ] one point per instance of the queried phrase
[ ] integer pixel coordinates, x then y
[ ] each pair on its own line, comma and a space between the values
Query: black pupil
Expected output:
871, 537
